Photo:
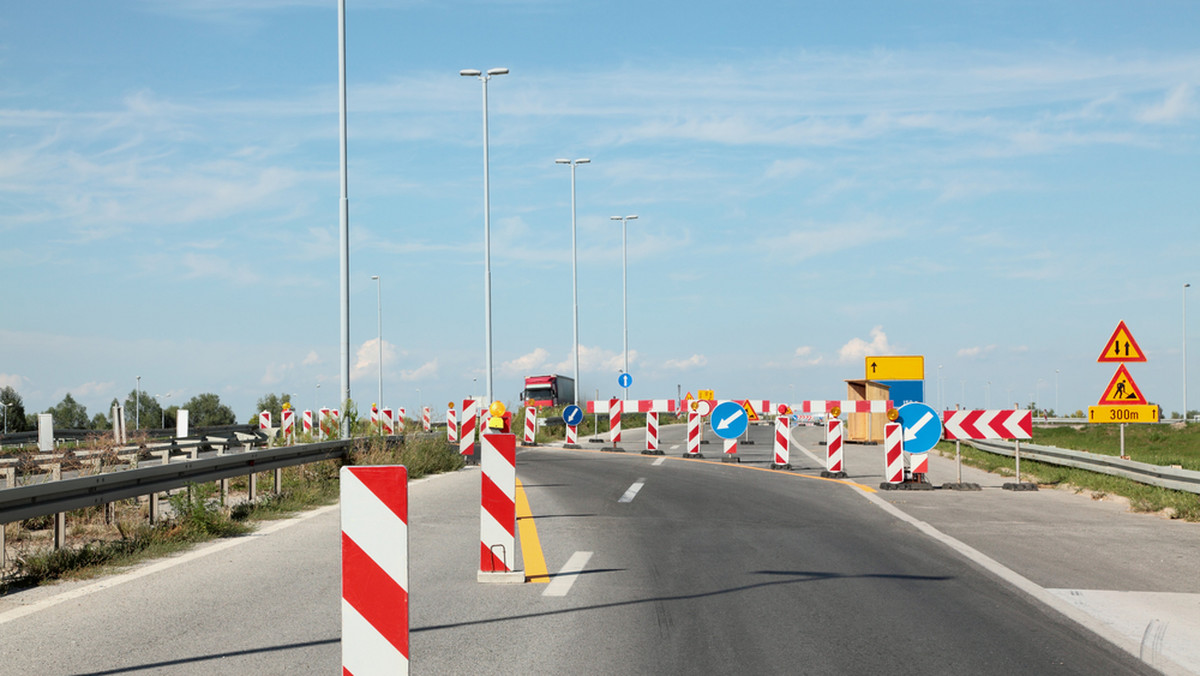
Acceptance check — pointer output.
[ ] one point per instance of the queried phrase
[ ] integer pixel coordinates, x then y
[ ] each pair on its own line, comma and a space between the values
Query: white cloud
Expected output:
423, 372
858, 348
12, 380
533, 362
598, 359
1176, 106
975, 351
804, 357
366, 363
311, 359
94, 389
685, 364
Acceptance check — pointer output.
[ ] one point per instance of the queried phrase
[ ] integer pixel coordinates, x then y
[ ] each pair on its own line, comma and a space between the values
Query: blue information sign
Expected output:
572, 415
729, 420
624, 380
922, 427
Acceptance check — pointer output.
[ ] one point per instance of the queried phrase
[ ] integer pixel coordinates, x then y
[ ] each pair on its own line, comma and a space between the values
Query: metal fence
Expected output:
1155, 475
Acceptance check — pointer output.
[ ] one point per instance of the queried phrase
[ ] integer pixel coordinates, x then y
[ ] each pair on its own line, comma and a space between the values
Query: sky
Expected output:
992, 185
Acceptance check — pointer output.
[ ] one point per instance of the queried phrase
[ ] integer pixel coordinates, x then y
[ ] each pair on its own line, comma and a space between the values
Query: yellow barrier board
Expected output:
1123, 414
895, 368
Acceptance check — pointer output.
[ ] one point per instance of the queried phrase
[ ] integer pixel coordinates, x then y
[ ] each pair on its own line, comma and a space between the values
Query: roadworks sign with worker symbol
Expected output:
1122, 390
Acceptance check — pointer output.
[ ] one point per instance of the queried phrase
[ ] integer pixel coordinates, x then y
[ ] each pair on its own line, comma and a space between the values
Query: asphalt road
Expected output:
709, 568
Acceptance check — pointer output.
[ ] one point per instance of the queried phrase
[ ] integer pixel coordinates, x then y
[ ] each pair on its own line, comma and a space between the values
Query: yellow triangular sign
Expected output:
750, 413
1121, 347
1122, 390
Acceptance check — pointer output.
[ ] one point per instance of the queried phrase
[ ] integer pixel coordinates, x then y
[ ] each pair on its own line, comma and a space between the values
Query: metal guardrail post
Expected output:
278, 480
223, 483
252, 487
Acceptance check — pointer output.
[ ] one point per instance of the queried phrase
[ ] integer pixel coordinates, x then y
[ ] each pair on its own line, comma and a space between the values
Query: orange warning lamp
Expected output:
835, 411
497, 410
893, 414
451, 405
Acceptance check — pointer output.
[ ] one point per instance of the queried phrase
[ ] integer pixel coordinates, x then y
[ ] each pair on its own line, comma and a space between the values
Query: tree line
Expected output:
142, 411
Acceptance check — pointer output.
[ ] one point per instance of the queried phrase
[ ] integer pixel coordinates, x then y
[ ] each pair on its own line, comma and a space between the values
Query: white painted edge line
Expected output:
658, 462
820, 461
1026, 585
633, 491
158, 566
561, 584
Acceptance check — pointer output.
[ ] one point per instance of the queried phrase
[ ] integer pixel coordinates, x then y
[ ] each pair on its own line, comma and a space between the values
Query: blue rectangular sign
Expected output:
902, 392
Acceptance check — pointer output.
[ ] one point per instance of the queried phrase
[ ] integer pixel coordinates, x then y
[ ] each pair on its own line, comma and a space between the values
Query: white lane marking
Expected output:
633, 491
658, 462
561, 584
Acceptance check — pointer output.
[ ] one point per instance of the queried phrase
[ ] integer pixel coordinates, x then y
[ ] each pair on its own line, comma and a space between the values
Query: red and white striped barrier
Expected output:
324, 424
530, 438
466, 430
308, 423
498, 508
335, 419
918, 463
572, 436
374, 570
400, 413
783, 440
652, 433
264, 420
893, 453
761, 406
730, 449
389, 423
994, 424
633, 406
375, 419
833, 446
693, 434
289, 423
426, 424
827, 406
614, 421
451, 427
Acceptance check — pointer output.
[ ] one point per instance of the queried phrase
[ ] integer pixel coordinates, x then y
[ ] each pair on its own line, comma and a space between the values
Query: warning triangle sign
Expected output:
751, 415
1122, 347
1122, 390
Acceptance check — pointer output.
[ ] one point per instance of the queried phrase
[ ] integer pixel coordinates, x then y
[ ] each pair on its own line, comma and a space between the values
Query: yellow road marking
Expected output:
531, 546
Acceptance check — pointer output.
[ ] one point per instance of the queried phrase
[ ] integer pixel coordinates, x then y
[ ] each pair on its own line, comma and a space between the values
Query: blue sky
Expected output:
993, 185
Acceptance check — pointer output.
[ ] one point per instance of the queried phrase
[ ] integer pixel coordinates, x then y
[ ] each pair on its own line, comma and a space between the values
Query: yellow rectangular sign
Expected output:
705, 394
1131, 413
896, 368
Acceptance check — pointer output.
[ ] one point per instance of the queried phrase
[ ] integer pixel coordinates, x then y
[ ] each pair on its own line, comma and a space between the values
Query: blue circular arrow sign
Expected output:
922, 427
729, 420
573, 415
624, 380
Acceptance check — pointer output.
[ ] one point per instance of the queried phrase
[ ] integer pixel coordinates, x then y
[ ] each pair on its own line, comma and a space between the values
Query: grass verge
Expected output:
96, 547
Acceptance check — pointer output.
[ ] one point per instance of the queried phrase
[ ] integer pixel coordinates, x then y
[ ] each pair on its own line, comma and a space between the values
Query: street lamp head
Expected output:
614, 218
374, 276
497, 71
469, 72
560, 161
631, 218
583, 161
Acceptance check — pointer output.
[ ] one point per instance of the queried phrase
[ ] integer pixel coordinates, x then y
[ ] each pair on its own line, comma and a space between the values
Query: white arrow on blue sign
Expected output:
922, 427
729, 420
572, 415
624, 380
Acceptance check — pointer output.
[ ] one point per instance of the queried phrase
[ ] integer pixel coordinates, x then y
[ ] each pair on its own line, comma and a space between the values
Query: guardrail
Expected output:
25, 502
1142, 472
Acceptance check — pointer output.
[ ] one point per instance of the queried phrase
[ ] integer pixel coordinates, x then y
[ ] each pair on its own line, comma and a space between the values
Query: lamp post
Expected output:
1056, 412
137, 405
343, 223
487, 225
6, 405
574, 274
379, 307
1185, 408
162, 422
625, 283
317, 397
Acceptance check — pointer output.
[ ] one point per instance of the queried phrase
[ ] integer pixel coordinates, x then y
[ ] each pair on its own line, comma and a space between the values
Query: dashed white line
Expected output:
561, 584
633, 491
658, 462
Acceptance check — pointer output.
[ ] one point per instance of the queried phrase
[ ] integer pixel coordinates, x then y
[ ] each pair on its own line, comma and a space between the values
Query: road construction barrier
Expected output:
833, 448
400, 413
308, 423
498, 509
782, 443
731, 451
325, 424
426, 424
918, 463
451, 426
652, 433
693, 435
843, 406
264, 420
289, 424
530, 426
466, 430
374, 505
633, 406
375, 418
893, 453
389, 423
614, 421
572, 436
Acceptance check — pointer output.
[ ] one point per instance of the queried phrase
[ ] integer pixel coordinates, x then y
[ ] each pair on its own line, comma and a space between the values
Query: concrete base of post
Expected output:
654, 452
572, 446
613, 449
747, 442
907, 486
730, 458
826, 474
1022, 486
962, 486
510, 577
704, 441
696, 456
776, 465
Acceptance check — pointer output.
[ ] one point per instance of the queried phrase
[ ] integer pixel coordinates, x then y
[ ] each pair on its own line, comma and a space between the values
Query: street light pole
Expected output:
379, 307
625, 284
487, 225
1057, 414
574, 274
1185, 408
163, 417
137, 405
344, 222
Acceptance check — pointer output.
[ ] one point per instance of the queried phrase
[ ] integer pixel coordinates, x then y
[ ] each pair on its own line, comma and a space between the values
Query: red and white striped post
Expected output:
530, 438
451, 426
730, 454
400, 413
918, 463
335, 419
614, 422
783, 441
264, 420
833, 449
323, 426
466, 431
693, 435
308, 423
375, 418
652, 434
388, 422
289, 424
893, 453
426, 423
498, 509
374, 570
572, 436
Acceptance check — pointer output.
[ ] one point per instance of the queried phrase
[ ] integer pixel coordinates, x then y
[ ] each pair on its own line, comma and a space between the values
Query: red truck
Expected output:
551, 390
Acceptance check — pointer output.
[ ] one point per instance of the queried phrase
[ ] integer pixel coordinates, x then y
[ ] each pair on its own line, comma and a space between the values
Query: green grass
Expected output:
198, 516
1158, 444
